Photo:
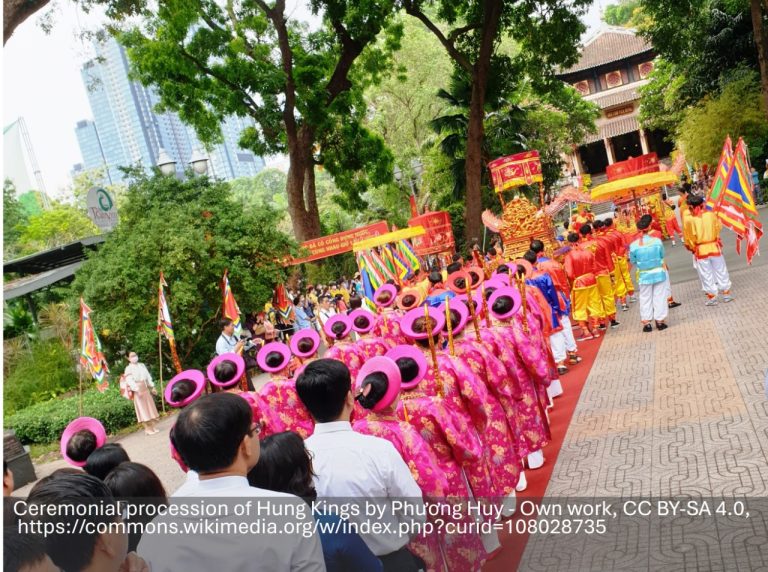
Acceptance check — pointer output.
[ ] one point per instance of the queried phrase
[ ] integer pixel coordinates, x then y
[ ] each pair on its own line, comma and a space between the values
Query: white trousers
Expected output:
653, 302
714, 274
667, 284
557, 343
570, 341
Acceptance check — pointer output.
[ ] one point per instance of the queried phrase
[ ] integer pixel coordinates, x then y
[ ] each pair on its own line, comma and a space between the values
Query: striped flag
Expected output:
164, 324
721, 174
91, 356
403, 271
368, 286
376, 264
229, 308
407, 254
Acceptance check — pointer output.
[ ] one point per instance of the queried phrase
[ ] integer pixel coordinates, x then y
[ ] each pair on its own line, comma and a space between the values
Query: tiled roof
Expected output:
609, 45
617, 98
613, 128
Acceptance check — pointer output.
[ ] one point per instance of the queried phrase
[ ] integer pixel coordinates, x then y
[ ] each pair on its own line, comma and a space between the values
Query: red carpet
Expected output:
513, 546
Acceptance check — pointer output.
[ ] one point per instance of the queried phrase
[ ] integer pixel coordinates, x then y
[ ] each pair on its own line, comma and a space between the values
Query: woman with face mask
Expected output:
141, 388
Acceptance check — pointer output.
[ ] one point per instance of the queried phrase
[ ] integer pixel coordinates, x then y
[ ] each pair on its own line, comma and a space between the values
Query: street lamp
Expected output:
199, 162
166, 164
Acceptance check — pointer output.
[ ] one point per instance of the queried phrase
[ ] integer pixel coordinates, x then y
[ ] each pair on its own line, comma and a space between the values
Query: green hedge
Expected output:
44, 422
43, 373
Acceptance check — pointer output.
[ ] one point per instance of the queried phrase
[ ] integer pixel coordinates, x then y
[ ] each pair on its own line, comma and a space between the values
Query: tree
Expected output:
736, 111
627, 13
16, 11
193, 231
547, 33
302, 88
58, 225
14, 218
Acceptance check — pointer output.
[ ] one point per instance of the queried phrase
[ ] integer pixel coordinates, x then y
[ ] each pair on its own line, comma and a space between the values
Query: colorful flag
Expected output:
282, 304
407, 253
91, 356
721, 174
164, 324
402, 269
230, 309
377, 264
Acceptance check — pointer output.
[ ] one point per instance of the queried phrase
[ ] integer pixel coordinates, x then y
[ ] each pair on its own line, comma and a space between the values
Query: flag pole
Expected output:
80, 393
160, 354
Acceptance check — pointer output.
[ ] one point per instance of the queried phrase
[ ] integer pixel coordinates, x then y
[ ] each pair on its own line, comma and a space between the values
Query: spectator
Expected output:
352, 465
104, 459
326, 312
303, 321
228, 342
217, 438
285, 466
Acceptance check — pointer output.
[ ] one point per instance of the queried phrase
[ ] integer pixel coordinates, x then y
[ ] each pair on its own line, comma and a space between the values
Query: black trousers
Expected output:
402, 561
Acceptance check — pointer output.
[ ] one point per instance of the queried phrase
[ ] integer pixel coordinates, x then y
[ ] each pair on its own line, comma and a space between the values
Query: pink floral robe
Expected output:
498, 434
387, 328
372, 347
350, 354
283, 410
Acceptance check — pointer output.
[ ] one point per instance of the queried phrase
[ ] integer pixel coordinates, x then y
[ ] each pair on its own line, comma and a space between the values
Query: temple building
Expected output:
612, 66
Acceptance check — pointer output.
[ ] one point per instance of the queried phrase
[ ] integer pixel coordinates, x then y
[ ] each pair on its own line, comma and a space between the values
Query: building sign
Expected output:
618, 111
439, 235
516, 170
648, 163
102, 209
339, 243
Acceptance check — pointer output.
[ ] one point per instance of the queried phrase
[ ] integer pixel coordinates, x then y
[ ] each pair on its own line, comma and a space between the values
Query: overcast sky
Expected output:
41, 82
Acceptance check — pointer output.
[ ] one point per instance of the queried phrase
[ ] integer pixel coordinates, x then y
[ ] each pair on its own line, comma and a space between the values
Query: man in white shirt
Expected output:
227, 524
359, 468
228, 342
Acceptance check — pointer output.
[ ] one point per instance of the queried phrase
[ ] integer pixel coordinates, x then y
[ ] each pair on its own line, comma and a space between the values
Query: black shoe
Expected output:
615, 324
601, 327
647, 328
661, 326
674, 304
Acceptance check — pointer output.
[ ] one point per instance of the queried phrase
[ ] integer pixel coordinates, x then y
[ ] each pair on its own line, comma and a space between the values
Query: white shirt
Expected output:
326, 315
356, 466
189, 485
226, 344
136, 373
205, 550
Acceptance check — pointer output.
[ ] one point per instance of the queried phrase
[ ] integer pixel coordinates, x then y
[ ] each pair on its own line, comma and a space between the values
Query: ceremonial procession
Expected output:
391, 286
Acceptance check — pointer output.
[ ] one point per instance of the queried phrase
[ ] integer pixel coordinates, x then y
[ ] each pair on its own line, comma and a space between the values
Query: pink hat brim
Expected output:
403, 351
419, 299
407, 321
389, 368
239, 369
195, 376
81, 424
494, 282
463, 311
513, 293
307, 333
525, 264
385, 288
344, 319
475, 270
455, 276
278, 347
366, 314
502, 277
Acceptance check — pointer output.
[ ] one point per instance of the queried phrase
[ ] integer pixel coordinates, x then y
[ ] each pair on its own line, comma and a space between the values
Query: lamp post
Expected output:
166, 164
199, 162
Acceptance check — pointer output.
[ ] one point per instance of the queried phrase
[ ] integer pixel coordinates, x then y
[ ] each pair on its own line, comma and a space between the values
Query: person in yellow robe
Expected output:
704, 241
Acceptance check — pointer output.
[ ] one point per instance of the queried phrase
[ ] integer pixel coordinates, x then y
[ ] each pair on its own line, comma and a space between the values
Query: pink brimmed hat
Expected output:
77, 425
476, 298
403, 351
306, 334
239, 369
278, 347
477, 275
385, 288
501, 277
389, 368
418, 298
495, 282
463, 311
196, 377
513, 293
525, 264
338, 318
407, 321
457, 282
361, 313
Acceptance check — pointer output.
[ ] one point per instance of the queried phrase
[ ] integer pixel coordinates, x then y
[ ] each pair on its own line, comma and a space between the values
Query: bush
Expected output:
45, 372
45, 422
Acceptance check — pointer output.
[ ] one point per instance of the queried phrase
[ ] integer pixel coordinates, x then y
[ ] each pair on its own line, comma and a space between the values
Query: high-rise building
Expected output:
127, 131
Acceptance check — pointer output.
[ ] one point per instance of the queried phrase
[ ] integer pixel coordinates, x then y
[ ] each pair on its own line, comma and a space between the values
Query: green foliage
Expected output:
31, 202
663, 104
192, 230
627, 13
83, 182
44, 422
266, 188
43, 373
58, 225
736, 111
14, 219
17, 320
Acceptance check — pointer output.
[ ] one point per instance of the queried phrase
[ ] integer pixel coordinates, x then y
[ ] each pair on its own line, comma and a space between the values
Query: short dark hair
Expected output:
225, 370
296, 299
81, 445
355, 302
323, 387
435, 277
608, 222
67, 550
598, 224
21, 551
537, 246
453, 267
644, 222
573, 237
585, 229
134, 480
104, 459
530, 256
224, 322
208, 433
695, 200
284, 466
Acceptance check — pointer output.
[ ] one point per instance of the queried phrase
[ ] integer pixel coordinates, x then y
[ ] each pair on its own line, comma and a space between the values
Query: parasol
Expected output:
402, 234
633, 187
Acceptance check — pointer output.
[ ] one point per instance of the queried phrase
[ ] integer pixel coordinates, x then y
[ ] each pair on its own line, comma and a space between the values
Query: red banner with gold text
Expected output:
648, 163
339, 243
439, 235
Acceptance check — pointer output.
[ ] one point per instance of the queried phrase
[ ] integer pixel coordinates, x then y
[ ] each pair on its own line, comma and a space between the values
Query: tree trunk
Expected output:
304, 215
761, 40
16, 11
475, 131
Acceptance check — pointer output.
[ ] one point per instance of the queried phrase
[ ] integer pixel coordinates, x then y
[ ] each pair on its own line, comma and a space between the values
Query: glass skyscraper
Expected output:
126, 131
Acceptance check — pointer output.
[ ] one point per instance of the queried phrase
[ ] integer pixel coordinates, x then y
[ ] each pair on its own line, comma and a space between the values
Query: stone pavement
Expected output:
678, 413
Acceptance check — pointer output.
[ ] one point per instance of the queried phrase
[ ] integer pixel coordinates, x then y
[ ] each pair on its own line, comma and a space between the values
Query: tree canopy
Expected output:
193, 231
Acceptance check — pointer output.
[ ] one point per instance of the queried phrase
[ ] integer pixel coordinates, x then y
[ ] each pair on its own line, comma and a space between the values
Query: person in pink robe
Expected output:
387, 327
363, 323
282, 408
337, 330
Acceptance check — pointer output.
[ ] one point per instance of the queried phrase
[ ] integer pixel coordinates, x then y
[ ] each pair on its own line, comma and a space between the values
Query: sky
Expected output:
41, 82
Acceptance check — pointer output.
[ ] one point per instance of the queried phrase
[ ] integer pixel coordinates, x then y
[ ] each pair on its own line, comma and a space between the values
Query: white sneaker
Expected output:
535, 459
633, 298
673, 243
555, 389
522, 483
727, 298
509, 504
711, 302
